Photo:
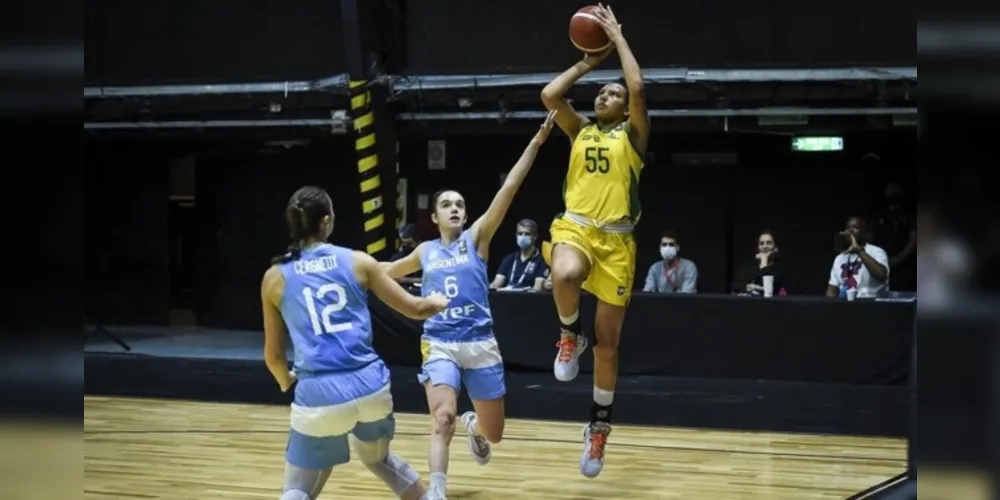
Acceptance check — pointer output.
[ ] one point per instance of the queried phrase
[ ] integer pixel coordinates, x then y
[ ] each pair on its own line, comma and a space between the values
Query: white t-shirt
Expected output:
850, 271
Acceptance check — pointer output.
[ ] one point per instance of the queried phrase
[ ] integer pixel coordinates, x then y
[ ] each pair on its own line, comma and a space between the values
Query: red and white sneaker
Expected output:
567, 363
595, 439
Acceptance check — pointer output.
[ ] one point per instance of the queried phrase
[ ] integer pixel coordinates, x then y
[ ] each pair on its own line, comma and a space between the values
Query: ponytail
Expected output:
295, 217
304, 216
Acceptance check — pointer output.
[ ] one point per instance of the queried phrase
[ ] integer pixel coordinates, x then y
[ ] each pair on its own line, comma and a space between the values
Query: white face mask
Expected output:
668, 252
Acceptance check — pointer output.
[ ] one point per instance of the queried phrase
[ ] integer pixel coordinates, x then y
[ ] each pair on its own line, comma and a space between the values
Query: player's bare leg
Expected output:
485, 426
570, 268
607, 328
442, 400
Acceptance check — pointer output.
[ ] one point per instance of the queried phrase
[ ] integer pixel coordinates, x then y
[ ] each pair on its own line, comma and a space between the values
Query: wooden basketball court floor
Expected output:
147, 448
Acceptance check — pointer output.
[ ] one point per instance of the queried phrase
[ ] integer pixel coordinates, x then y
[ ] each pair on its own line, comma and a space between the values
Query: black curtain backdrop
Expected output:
241, 189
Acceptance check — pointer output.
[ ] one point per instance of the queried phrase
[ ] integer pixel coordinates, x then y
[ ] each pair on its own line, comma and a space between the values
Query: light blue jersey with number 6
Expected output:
457, 272
326, 311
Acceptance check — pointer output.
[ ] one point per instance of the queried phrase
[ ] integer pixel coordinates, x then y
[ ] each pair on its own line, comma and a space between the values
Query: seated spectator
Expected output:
673, 274
768, 262
408, 243
860, 265
524, 269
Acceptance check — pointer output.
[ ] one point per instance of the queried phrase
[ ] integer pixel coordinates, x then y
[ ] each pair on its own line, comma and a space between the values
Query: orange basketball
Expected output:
585, 30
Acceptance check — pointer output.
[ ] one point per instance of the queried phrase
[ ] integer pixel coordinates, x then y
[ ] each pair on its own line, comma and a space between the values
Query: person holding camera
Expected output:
861, 269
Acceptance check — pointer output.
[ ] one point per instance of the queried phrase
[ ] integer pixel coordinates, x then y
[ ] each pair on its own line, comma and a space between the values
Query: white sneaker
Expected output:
567, 363
433, 494
595, 438
478, 445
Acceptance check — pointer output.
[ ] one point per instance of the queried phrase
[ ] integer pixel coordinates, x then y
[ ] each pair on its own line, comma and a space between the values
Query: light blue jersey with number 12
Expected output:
326, 311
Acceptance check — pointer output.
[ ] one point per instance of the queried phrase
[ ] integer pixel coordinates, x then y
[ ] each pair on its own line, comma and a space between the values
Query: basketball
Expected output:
585, 30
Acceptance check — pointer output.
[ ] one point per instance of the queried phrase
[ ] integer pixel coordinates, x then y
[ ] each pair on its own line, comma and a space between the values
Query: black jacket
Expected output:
752, 273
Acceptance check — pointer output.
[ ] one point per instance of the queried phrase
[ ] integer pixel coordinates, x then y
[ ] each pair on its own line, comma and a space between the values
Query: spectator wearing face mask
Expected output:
524, 269
673, 274
408, 242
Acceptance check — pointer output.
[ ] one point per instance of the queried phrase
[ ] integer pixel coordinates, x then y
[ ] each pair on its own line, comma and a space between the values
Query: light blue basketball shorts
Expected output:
329, 406
476, 363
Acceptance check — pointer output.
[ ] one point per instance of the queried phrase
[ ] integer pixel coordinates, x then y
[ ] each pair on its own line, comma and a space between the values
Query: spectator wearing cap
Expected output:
407, 243
524, 269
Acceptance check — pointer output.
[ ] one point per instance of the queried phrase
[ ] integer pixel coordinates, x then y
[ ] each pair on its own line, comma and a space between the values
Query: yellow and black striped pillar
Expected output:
372, 206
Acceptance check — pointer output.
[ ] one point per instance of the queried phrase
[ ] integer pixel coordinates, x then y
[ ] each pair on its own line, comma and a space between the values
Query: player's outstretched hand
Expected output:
546, 127
609, 22
437, 301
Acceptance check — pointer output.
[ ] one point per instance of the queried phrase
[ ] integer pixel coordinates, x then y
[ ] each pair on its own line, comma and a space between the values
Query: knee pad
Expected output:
395, 473
392, 470
294, 495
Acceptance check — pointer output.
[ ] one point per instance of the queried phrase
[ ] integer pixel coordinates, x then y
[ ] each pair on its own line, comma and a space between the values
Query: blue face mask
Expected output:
524, 242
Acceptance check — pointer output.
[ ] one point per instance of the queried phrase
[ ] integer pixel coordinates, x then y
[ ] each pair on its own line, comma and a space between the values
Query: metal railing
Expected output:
416, 83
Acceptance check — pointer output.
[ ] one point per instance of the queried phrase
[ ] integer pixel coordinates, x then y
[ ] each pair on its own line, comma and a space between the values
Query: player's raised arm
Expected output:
638, 115
392, 294
405, 266
553, 95
486, 226
275, 331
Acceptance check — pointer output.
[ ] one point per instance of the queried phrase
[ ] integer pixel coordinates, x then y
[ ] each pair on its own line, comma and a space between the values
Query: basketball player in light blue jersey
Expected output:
458, 344
316, 294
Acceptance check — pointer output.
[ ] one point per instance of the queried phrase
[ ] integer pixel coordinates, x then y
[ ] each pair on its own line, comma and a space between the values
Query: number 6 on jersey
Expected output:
340, 301
451, 287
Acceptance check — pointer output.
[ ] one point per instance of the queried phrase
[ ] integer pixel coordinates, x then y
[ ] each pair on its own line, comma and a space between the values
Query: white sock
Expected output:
569, 320
472, 426
602, 397
439, 481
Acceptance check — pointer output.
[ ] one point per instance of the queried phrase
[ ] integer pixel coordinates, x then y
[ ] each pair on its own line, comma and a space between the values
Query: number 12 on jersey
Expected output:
326, 324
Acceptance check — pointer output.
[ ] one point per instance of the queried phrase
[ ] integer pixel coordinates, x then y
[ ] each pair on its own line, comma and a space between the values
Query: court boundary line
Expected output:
531, 440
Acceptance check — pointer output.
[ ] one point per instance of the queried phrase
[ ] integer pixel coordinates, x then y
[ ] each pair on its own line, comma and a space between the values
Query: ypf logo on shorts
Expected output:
621, 291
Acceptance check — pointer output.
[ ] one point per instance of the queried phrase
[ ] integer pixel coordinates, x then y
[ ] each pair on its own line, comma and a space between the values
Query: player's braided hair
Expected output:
304, 216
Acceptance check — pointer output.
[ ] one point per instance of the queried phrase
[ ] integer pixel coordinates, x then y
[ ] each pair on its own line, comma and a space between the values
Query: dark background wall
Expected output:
238, 40
242, 187
526, 34
126, 247
162, 42
242, 193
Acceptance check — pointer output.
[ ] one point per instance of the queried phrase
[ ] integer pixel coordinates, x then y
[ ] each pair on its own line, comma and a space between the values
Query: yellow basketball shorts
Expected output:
611, 257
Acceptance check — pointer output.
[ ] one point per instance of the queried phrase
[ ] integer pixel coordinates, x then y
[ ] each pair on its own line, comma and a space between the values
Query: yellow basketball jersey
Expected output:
602, 183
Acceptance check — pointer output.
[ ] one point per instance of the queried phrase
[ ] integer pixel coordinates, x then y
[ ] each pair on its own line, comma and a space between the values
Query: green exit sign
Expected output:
818, 144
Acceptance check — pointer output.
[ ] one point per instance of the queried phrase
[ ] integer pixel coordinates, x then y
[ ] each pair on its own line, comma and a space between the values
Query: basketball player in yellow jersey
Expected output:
592, 242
